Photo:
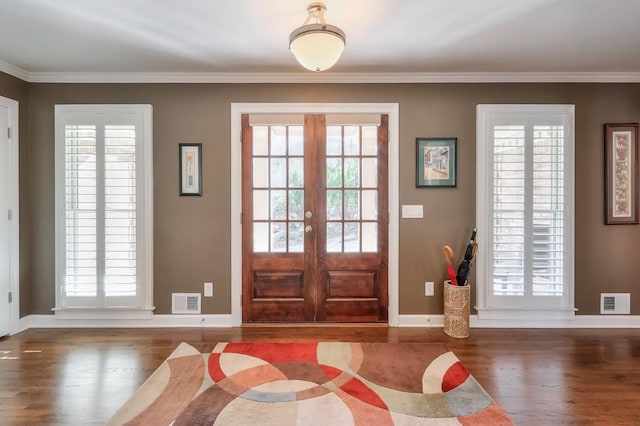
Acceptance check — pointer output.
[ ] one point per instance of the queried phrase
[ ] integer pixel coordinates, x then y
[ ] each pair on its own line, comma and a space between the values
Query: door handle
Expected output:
308, 214
308, 229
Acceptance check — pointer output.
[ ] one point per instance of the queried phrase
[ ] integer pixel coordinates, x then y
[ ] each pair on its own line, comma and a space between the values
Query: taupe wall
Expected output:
192, 234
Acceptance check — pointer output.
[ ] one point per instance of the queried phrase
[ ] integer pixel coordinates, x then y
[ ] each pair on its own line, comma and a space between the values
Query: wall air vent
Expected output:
185, 303
615, 303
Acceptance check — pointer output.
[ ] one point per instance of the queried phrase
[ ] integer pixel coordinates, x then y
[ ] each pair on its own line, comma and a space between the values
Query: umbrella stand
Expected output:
456, 310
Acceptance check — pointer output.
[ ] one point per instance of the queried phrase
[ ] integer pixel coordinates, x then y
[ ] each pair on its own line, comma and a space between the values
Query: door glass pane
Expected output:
296, 204
334, 140
261, 204
260, 173
350, 169
278, 237
352, 205
278, 212
351, 140
260, 237
369, 172
334, 172
369, 140
260, 140
278, 173
369, 237
296, 237
351, 172
369, 205
278, 205
334, 205
296, 140
334, 237
351, 237
278, 140
296, 172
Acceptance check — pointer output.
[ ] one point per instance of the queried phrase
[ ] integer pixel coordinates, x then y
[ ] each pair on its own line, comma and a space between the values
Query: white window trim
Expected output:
237, 109
483, 218
145, 310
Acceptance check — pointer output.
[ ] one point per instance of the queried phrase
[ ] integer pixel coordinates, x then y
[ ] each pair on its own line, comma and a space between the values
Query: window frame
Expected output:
102, 115
526, 306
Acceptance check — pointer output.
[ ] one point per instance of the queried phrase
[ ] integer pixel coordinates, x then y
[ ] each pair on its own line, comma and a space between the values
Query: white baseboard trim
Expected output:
156, 321
226, 321
421, 321
578, 321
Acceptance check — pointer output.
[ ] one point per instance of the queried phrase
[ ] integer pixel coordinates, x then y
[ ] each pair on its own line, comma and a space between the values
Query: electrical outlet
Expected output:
208, 289
429, 289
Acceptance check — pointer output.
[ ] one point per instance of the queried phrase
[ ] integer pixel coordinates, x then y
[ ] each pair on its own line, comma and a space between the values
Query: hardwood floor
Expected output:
539, 377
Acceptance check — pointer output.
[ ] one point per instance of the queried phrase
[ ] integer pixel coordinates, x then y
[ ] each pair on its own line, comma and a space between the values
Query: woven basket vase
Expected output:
456, 310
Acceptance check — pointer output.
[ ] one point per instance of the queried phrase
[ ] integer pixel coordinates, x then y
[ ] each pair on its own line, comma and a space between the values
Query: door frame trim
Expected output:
237, 109
14, 204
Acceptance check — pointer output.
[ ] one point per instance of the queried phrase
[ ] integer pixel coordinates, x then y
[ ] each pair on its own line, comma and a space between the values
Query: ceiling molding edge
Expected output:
306, 78
14, 71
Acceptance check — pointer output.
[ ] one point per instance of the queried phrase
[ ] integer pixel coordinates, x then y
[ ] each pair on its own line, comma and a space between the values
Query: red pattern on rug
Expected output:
454, 377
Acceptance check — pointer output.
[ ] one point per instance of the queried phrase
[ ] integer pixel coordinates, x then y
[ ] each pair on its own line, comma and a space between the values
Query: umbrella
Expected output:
448, 256
464, 269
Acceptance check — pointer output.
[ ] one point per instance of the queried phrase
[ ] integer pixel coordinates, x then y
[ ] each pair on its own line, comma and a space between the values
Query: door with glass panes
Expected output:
315, 218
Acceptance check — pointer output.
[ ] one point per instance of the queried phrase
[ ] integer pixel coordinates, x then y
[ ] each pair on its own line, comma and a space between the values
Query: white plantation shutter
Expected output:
80, 230
525, 207
548, 211
104, 207
120, 208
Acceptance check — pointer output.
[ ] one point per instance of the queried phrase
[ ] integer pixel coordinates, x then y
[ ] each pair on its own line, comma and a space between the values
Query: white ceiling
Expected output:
64, 40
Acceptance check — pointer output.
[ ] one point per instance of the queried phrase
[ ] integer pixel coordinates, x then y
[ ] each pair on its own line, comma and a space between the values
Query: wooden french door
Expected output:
315, 218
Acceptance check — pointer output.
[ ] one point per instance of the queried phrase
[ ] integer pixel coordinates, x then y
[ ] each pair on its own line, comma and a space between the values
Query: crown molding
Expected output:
306, 78
14, 71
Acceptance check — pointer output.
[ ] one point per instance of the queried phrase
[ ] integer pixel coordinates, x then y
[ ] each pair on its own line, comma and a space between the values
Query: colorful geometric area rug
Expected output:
325, 384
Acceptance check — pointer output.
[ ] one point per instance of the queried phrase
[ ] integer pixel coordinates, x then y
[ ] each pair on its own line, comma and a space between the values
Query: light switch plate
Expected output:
412, 211
208, 289
429, 288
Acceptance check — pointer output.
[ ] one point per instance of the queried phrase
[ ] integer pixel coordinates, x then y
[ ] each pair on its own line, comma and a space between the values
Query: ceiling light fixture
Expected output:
317, 46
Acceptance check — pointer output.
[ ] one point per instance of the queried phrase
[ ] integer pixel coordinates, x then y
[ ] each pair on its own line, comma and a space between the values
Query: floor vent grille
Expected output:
615, 303
185, 303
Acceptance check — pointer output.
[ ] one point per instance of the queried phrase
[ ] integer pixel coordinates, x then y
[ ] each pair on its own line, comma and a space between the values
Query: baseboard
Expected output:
578, 321
226, 321
421, 321
156, 321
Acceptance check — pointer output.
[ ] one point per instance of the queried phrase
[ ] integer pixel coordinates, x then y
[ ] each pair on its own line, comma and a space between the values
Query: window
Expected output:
104, 215
525, 157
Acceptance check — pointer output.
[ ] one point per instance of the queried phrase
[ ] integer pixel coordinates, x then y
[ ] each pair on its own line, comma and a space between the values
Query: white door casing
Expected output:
237, 109
9, 264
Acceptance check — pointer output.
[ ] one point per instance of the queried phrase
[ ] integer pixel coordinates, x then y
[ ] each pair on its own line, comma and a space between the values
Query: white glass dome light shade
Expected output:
317, 47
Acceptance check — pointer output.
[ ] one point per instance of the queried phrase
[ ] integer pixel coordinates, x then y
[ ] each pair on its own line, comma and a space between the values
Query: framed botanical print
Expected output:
190, 168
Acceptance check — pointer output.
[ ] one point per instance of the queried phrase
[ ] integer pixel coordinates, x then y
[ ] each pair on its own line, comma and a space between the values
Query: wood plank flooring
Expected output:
539, 377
